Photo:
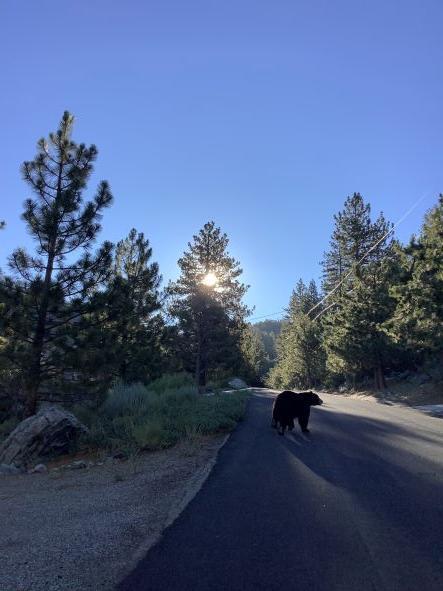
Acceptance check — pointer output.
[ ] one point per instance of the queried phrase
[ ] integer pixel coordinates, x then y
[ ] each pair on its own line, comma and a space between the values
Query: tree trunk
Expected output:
35, 369
31, 400
200, 370
379, 376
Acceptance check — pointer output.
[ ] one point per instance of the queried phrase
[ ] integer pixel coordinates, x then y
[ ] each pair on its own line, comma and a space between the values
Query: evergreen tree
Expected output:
135, 327
353, 236
268, 330
301, 358
254, 356
50, 290
417, 322
206, 303
353, 336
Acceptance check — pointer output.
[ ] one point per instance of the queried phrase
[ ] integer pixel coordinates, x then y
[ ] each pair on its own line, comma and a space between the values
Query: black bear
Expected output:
290, 405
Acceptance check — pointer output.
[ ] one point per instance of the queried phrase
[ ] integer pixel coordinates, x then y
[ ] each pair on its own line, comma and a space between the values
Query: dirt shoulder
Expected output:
85, 529
417, 392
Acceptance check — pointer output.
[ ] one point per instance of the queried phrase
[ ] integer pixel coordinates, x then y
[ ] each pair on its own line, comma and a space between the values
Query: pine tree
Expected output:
207, 305
49, 290
301, 358
353, 336
417, 323
254, 356
135, 328
353, 236
268, 331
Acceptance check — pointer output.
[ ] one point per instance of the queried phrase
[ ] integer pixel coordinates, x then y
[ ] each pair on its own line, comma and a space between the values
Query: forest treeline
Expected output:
75, 317
383, 312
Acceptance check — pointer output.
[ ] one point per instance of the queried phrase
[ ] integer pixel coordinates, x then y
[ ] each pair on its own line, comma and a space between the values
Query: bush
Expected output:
161, 414
151, 435
123, 399
173, 381
8, 427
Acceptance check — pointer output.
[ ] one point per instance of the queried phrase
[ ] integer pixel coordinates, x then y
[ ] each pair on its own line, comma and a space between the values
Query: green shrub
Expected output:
124, 399
85, 414
172, 381
7, 427
158, 416
151, 435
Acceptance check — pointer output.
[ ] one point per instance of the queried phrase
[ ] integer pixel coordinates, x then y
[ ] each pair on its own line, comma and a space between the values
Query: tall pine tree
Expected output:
417, 322
50, 290
353, 336
301, 358
207, 305
136, 326
254, 356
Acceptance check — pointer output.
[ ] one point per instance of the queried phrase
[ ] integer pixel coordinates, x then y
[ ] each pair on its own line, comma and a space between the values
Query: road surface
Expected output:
355, 506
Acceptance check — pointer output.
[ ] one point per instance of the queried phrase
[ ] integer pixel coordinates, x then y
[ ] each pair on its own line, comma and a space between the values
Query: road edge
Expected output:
195, 485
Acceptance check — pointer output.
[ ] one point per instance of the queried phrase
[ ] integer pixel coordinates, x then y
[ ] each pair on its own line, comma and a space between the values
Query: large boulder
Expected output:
48, 433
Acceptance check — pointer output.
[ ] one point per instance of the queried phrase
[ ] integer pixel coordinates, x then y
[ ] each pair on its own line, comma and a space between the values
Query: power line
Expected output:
269, 315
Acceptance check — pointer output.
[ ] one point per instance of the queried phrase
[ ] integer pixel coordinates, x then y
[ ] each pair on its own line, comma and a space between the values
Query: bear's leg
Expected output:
281, 428
303, 419
291, 424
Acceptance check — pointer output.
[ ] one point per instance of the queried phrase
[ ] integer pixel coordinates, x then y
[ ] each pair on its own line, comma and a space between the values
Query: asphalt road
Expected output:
356, 505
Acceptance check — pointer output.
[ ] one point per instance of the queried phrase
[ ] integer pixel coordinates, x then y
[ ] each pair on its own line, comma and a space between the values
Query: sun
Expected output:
210, 279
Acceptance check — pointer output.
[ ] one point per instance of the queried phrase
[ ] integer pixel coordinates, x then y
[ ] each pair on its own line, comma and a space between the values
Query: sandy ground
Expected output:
85, 529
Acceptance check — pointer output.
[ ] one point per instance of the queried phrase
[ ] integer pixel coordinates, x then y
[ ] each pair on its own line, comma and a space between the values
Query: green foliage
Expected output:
209, 318
254, 356
50, 289
158, 415
174, 381
417, 322
123, 336
268, 331
387, 314
7, 426
354, 340
135, 326
353, 337
301, 357
128, 399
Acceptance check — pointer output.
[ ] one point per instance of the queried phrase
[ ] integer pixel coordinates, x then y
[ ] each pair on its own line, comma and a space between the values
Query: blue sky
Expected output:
261, 115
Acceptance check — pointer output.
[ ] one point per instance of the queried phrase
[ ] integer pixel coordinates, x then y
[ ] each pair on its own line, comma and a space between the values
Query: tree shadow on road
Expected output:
386, 469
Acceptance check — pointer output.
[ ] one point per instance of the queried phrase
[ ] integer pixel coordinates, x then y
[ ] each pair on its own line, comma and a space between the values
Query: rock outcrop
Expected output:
49, 433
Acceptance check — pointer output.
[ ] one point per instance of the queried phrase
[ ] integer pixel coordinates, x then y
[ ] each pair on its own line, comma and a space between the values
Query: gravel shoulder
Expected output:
86, 529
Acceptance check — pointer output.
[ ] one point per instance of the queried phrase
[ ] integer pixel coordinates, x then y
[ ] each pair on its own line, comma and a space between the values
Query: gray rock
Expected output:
38, 469
237, 383
77, 465
8, 469
48, 433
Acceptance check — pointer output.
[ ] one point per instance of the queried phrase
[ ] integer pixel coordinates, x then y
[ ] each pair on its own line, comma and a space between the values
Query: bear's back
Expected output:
289, 402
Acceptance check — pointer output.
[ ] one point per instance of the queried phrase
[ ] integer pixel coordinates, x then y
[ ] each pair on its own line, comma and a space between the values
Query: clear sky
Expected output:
260, 115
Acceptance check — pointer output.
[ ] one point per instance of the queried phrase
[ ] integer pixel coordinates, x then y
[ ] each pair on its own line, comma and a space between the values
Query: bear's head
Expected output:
313, 399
